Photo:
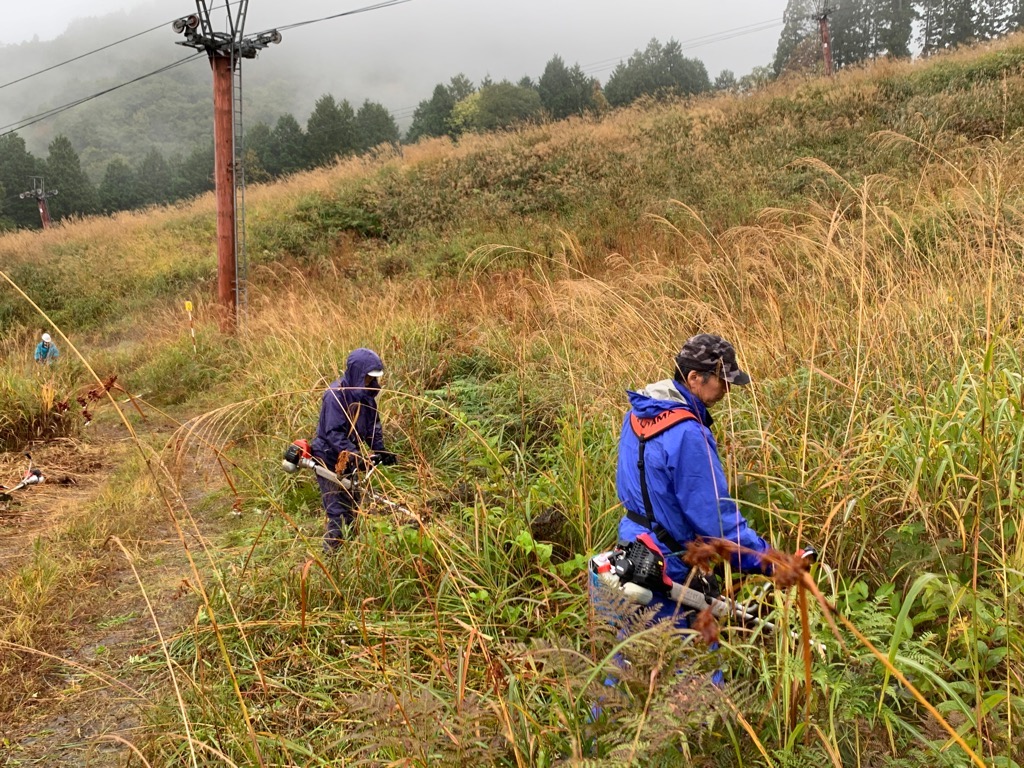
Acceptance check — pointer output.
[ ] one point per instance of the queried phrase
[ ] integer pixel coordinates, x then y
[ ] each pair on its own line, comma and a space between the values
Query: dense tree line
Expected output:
868, 29
333, 130
860, 30
561, 91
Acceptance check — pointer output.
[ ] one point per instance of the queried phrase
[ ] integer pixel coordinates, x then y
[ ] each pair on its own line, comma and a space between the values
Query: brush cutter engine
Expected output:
637, 569
640, 562
298, 454
32, 476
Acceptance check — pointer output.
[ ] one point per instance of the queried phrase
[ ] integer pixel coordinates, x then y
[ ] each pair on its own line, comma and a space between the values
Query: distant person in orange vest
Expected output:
46, 351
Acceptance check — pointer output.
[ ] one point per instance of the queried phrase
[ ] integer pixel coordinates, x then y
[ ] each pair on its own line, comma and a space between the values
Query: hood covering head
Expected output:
361, 363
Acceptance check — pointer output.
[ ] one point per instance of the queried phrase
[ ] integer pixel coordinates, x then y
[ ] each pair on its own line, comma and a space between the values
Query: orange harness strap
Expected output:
647, 428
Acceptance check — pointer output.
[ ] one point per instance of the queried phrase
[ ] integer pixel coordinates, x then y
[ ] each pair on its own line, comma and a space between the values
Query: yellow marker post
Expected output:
191, 327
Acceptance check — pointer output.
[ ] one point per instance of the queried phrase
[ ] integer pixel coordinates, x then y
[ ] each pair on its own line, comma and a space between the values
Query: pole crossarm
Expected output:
198, 31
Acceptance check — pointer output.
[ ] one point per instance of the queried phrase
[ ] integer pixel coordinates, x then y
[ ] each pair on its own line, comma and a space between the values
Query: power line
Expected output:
719, 37
364, 9
24, 123
96, 50
17, 126
693, 42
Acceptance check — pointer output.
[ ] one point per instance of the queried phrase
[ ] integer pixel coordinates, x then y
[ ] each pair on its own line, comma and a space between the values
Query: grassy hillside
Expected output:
860, 240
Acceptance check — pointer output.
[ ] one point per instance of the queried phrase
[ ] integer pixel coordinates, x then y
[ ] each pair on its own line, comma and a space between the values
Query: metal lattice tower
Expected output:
238, 153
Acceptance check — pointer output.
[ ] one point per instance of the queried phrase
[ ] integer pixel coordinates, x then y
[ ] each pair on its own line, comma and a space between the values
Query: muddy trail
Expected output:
77, 691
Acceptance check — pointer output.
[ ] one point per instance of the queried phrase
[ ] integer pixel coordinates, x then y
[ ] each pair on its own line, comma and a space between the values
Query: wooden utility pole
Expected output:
40, 194
226, 50
224, 182
826, 38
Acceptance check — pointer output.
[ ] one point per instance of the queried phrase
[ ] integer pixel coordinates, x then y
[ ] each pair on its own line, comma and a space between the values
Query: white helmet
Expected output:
46, 338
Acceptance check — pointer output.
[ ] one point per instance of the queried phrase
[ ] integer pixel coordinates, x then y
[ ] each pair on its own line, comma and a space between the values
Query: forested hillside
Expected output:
149, 142
859, 238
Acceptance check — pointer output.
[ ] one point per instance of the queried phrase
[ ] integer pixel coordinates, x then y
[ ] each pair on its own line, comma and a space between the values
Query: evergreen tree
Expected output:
682, 75
117, 190
17, 166
287, 147
326, 132
432, 116
962, 28
894, 26
153, 182
932, 21
656, 70
948, 23
258, 141
726, 81
1013, 18
193, 175
76, 194
798, 23
852, 31
349, 140
990, 19
565, 91
460, 87
374, 125
255, 173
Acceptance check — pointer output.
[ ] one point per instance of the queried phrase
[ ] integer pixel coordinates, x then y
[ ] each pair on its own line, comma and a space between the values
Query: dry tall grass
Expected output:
873, 297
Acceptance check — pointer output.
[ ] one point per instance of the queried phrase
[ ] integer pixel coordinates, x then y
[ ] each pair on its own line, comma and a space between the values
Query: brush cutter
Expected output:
32, 476
637, 569
298, 455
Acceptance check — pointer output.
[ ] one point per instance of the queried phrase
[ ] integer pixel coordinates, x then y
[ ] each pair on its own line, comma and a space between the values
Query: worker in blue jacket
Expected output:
669, 478
349, 439
46, 351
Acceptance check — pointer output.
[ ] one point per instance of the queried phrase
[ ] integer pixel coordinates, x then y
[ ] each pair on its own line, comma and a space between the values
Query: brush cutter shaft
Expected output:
681, 594
32, 477
291, 464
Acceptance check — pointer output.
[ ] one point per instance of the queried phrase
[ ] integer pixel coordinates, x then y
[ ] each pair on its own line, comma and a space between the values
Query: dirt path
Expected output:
106, 667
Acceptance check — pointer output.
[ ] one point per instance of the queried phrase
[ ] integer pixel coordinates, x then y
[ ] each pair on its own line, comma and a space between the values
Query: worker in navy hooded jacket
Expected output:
349, 438
687, 495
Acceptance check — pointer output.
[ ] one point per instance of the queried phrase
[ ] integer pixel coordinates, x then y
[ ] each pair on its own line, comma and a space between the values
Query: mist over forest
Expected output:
337, 87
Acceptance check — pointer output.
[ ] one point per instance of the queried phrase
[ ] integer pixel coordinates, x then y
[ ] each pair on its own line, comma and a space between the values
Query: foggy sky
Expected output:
396, 55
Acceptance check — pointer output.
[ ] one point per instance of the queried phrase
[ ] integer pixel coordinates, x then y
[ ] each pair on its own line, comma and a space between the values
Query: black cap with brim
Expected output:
709, 353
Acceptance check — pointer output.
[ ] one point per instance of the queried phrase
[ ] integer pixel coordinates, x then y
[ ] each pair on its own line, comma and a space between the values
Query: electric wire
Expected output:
693, 42
95, 50
689, 45
364, 9
591, 68
25, 122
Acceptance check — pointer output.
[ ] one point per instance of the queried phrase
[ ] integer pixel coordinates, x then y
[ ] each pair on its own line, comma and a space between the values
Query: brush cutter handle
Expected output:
297, 455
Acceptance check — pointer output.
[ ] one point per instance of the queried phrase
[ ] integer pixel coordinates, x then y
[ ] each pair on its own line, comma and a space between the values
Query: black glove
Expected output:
383, 458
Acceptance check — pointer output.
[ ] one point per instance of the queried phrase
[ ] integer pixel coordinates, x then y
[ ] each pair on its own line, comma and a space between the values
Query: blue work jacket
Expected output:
685, 480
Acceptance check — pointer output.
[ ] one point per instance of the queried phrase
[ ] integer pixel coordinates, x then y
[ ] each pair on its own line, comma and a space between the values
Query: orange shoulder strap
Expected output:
647, 428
